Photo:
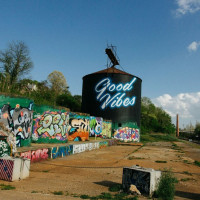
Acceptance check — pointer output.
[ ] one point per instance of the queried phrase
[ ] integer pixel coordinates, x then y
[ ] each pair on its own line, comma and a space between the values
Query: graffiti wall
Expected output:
4, 148
61, 151
36, 155
103, 144
78, 128
18, 119
51, 127
96, 126
106, 129
127, 134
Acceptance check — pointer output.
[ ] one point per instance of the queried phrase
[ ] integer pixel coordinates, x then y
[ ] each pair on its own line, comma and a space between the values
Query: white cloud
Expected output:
193, 46
187, 6
187, 105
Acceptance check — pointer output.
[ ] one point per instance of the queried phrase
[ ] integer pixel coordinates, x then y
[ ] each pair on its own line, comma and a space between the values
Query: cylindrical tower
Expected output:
114, 95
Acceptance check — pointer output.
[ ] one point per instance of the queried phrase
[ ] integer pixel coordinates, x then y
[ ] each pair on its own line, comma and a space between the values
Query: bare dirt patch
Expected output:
93, 172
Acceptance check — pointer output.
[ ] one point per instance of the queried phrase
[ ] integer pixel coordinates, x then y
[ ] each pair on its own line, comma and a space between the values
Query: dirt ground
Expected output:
93, 172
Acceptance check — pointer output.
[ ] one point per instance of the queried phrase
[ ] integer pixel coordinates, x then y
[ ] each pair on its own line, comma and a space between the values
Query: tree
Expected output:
15, 61
58, 82
197, 130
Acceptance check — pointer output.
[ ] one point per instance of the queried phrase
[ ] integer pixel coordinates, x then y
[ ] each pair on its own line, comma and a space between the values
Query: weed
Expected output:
166, 187
156, 138
186, 161
34, 191
186, 179
161, 161
197, 163
45, 171
105, 195
84, 196
58, 193
132, 157
7, 187
115, 188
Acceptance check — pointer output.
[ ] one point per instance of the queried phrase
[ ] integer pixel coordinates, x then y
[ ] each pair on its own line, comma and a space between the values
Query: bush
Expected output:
166, 187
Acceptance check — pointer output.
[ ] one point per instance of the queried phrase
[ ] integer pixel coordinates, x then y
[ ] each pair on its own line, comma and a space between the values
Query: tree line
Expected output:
15, 63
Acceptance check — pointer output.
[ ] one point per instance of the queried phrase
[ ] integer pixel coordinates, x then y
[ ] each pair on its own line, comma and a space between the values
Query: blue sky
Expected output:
158, 41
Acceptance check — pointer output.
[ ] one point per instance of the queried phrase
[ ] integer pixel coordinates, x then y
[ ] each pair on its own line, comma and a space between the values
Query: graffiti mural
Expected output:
61, 151
78, 128
36, 155
112, 142
127, 134
95, 126
4, 148
51, 126
106, 129
103, 144
19, 120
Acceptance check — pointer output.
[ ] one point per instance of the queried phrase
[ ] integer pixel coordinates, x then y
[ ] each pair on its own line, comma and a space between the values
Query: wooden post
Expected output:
177, 125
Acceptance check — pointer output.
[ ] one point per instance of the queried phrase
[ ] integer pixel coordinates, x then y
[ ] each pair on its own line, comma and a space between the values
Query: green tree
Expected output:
197, 130
58, 82
15, 62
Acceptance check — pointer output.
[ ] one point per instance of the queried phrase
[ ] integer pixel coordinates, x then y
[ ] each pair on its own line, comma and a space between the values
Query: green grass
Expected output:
58, 193
108, 196
7, 187
115, 188
166, 187
34, 191
161, 161
45, 171
197, 163
157, 138
176, 147
186, 179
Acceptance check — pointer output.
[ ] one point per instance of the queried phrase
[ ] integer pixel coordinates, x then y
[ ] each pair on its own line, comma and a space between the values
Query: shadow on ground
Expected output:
188, 195
107, 183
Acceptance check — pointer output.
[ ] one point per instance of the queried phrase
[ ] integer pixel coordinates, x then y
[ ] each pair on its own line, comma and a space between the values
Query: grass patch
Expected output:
45, 171
115, 188
34, 191
85, 196
58, 192
157, 138
166, 187
186, 179
133, 157
197, 163
161, 161
176, 147
7, 187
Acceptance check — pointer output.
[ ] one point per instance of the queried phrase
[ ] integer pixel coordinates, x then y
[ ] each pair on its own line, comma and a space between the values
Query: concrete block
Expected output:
13, 169
145, 179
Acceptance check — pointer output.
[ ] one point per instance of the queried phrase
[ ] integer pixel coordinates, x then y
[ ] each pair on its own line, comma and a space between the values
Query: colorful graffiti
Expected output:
103, 144
78, 128
4, 148
19, 120
106, 129
127, 134
61, 151
6, 169
51, 125
36, 155
95, 126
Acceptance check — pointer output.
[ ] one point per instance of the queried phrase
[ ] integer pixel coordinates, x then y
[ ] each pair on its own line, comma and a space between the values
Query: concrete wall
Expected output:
51, 127
17, 115
106, 129
96, 126
127, 134
65, 150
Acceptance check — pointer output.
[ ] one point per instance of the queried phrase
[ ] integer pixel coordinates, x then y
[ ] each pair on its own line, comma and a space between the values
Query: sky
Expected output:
158, 41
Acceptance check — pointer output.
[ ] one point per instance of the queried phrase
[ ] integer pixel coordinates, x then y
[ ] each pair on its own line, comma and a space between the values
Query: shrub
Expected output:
166, 187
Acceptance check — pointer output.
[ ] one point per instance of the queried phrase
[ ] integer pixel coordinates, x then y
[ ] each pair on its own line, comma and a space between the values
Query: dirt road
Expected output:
93, 172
